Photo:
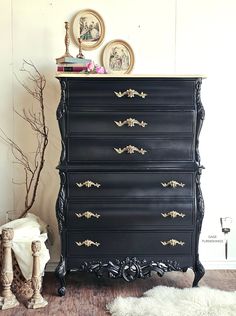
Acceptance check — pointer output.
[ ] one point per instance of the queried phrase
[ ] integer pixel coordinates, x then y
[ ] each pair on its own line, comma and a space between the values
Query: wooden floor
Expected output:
87, 296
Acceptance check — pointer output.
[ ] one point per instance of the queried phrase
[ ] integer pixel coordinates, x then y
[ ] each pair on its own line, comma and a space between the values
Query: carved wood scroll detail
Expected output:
129, 269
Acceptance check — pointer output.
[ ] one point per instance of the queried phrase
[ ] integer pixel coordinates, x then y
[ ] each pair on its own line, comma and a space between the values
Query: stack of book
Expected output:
71, 64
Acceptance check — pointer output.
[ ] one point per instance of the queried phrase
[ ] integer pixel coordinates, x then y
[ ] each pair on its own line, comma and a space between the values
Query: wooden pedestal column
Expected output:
37, 300
8, 299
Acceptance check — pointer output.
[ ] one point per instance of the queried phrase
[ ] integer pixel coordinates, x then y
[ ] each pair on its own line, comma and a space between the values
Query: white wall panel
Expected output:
205, 42
6, 113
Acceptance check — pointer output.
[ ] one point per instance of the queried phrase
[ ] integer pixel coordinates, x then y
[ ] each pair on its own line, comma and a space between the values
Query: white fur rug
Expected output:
169, 301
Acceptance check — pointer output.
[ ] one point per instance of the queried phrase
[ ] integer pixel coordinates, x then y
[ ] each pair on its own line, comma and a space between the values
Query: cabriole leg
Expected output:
199, 272
60, 274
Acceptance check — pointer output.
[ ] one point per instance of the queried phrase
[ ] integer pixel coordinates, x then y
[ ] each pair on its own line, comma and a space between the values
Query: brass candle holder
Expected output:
67, 43
80, 55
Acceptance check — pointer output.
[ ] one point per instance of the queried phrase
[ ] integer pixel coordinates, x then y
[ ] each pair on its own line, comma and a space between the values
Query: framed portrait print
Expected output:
90, 28
118, 57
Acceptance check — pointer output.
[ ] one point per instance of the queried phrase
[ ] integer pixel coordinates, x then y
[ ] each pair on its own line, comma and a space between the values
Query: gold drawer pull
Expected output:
88, 184
172, 242
87, 243
130, 122
130, 94
174, 184
173, 214
87, 215
130, 150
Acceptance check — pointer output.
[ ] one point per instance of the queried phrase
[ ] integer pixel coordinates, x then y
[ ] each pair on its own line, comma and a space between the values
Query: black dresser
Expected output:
130, 200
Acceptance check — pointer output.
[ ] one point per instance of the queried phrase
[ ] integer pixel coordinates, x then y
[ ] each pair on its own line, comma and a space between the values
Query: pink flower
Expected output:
90, 66
100, 70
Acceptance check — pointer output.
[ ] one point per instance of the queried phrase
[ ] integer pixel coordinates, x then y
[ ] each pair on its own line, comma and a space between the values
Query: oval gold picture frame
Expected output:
118, 57
89, 26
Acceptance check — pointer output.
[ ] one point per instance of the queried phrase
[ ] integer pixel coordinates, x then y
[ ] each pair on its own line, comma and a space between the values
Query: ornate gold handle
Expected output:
87, 215
172, 242
173, 214
130, 94
174, 184
87, 243
88, 184
130, 150
130, 122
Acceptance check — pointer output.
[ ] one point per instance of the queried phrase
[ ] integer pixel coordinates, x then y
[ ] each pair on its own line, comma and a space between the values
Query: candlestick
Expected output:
67, 43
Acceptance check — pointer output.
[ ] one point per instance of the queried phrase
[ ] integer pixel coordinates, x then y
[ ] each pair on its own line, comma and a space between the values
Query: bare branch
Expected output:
17, 152
37, 122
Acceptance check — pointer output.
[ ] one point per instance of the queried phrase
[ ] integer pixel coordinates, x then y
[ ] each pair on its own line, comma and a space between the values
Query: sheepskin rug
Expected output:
169, 301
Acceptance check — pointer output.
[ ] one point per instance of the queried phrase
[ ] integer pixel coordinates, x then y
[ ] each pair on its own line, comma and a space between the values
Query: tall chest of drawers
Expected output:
130, 200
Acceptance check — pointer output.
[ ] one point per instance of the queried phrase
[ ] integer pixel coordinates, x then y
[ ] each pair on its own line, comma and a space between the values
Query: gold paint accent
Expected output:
130, 122
87, 243
172, 242
87, 214
173, 214
130, 94
173, 184
88, 184
130, 150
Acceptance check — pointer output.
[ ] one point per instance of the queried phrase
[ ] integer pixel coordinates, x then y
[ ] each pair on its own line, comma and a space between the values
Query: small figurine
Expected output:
80, 55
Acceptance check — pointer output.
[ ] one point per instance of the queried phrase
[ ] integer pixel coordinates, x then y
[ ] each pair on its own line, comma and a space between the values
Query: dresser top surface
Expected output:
75, 75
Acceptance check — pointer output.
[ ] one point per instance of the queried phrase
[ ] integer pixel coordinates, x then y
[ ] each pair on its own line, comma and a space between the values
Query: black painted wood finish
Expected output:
130, 200
129, 243
103, 149
100, 93
130, 184
148, 214
163, 123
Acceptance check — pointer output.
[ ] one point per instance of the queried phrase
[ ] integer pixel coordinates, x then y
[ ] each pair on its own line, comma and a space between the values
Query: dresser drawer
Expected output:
158, 91
130, 123
115, 149
107, 263
129, 243
134, 215
130, 184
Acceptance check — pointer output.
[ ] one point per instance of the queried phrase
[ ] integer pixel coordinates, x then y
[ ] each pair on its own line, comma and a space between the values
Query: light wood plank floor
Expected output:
87, 296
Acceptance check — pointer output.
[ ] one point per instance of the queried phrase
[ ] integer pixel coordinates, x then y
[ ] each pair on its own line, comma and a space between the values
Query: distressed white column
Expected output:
37, 300
8, 299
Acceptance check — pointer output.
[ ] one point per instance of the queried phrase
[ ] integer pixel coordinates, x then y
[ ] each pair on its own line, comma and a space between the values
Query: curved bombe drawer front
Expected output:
135, 215
104, 149
130, 122
130, 184
130, 91
130, 243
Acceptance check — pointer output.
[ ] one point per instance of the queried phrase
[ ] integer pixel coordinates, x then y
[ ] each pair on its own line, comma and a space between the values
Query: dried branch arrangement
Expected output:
35, 118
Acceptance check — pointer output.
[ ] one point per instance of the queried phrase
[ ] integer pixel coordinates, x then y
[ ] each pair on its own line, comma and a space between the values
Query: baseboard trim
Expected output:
208, 265
51, 266
219, 265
